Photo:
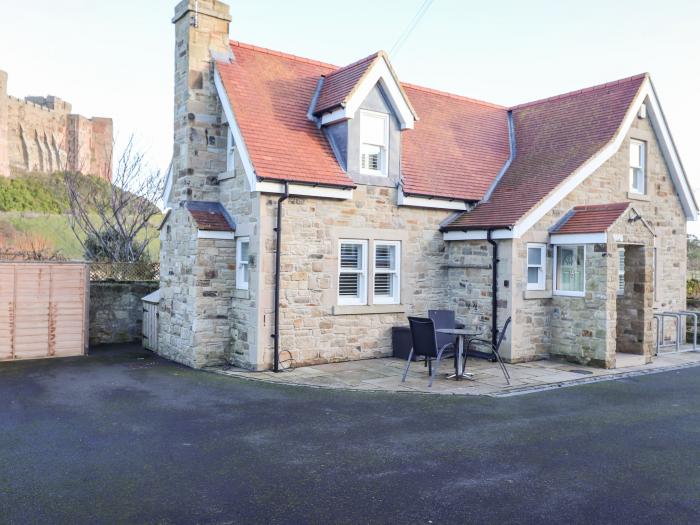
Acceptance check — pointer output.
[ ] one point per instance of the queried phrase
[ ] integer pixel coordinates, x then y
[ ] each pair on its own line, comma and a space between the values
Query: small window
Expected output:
352, 274
621, 271
570, 274
536, 266
637, 166
242, 263
387, 282
374, 139
230, 152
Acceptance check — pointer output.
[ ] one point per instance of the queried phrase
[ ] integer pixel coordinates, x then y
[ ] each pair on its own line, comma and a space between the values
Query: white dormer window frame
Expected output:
374, 143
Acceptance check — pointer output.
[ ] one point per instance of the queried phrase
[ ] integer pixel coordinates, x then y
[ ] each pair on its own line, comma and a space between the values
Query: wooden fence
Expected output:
43, 309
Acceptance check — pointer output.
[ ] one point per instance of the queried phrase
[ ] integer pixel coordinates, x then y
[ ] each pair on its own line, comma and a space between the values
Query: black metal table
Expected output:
462, 334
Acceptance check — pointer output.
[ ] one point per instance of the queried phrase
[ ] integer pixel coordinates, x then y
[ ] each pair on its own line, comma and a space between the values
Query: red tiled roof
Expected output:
595, 218
553, 138
210, 216
338, 85
456, 148
454, 151
270, 93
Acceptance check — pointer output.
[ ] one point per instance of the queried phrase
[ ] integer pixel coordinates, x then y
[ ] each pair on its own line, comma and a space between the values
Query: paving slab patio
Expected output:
385, 375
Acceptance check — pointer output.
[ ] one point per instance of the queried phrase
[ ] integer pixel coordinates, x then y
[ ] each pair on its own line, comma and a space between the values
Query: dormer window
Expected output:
374, 140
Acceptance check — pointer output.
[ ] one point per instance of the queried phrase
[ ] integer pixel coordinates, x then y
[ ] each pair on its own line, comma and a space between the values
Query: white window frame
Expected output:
242, 278
230, 151
555, 272
621, 270
362, 299
542, 267
396, 273
384, 157
643, 167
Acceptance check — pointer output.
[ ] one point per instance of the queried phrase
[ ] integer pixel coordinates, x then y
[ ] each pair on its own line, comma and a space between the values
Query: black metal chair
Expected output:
425, 344
445, 319
494, 349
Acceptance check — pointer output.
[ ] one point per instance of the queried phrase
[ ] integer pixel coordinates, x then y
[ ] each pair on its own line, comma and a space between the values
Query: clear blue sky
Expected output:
115, 58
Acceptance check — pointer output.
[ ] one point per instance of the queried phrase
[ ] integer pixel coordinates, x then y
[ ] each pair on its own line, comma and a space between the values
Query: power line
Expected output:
411, 26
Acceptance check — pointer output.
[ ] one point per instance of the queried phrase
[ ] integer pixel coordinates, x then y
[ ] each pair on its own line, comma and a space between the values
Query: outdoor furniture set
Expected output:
438, 336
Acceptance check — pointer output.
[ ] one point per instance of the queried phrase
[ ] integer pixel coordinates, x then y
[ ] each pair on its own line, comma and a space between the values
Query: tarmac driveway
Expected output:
124, 437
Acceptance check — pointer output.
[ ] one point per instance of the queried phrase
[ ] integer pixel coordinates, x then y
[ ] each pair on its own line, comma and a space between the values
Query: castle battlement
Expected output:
41, 134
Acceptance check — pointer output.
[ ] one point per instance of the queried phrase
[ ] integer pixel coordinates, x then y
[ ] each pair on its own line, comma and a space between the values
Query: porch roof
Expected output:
210, 216
596, 218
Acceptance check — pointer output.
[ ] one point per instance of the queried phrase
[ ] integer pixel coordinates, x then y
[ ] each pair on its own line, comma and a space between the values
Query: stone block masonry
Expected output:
116, 311
40, 134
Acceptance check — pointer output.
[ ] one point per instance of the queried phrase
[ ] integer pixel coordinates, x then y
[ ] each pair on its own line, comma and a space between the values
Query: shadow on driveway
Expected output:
124, 436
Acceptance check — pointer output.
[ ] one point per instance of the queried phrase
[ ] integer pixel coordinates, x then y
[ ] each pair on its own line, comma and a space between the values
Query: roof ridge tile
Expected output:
274, 52
581, 91
368, 58
452, 95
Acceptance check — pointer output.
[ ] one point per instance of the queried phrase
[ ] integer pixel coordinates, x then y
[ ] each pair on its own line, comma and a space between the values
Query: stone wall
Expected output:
4, 153
178, 252
245, 318
469, 285
630, 304
40, 134
116, 311
199, 152
582, 327
313, 328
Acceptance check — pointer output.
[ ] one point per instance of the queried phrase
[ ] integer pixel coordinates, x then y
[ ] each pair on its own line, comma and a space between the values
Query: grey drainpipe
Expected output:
494, 286
278, 257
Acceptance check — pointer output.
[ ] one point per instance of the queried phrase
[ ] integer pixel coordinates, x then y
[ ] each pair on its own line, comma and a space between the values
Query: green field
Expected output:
36, 205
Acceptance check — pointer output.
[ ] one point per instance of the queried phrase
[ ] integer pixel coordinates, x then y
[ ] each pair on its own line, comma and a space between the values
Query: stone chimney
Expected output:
4, 153
199, 150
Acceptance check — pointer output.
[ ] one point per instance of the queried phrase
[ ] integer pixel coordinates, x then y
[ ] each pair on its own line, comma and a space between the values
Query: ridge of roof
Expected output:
368, 58
447, 94
374, 55
601, 207
581, 91
289, 56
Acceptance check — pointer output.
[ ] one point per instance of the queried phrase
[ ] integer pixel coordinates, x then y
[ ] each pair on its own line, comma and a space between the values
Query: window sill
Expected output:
569, 294
370, 309
240, 293
638, 196
537, 294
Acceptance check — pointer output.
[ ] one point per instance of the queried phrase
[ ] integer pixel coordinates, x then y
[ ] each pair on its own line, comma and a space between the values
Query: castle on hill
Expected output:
40, 134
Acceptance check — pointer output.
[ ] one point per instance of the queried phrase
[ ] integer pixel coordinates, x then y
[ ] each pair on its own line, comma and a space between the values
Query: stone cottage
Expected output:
313, 207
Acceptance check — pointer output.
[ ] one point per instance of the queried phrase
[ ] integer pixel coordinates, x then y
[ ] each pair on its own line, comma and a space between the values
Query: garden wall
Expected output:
116, 311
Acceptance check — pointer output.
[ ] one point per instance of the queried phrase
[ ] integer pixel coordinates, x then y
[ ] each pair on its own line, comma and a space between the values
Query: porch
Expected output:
384, 375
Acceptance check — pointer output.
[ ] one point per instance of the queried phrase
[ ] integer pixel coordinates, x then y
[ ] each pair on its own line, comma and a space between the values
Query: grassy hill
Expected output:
34, 206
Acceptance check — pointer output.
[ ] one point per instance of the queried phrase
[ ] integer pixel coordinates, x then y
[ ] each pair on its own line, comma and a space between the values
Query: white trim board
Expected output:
379, 71
476, 235
208, 234
425, 202
303, 190
578, 238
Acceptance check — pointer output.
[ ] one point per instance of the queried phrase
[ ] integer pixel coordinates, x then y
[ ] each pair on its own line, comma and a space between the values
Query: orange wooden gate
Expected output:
43, 310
